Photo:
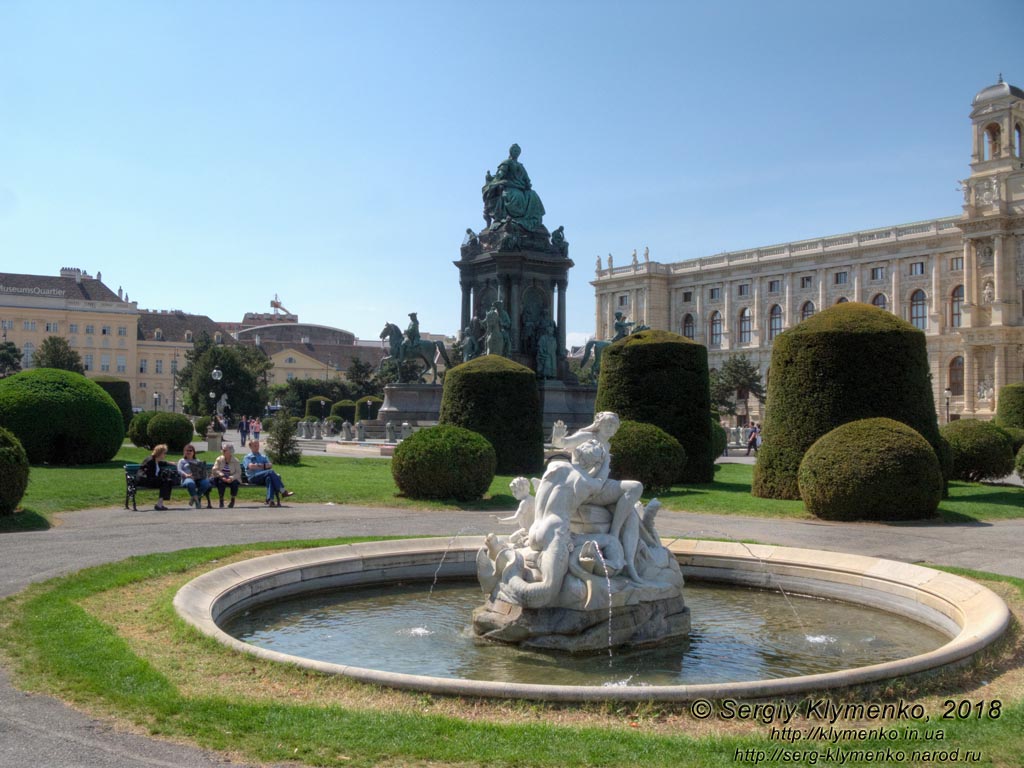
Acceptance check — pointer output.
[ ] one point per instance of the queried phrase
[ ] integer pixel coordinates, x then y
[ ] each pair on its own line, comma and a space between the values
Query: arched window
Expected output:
992, 142
806, 310
1018, 140
956, 303
688, 330
842, 300
715, 326
880, 301
774, 321
956, 376
919, 310
745, 325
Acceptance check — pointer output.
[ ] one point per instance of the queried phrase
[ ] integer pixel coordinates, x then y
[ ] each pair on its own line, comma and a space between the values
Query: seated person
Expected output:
258, 471
151, 475
193, 477
227, 473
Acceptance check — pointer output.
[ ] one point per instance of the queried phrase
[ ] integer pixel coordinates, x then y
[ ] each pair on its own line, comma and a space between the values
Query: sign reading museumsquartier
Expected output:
35, 291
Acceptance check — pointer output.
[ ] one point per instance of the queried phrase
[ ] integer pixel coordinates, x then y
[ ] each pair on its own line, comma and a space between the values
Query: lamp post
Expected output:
948, 393
156, 401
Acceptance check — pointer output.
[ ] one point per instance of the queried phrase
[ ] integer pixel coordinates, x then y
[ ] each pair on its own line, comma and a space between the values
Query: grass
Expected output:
107, 639
342, 480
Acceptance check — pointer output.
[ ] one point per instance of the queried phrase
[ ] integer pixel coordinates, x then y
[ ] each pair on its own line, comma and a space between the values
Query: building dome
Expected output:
995, 92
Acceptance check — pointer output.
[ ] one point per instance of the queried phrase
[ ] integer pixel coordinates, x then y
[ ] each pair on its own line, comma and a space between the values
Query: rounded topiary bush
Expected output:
121, 392
172, 429
202, 425
444, 462
1010, 408
14, 472
661, 378
646, 453
368, 407
871, 469
60, 417
837, 367
346, 409
497, 398
981, 450
138, 429
1016, 437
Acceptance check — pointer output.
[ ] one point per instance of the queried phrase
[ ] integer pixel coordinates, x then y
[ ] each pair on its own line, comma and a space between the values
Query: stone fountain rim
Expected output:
972, 614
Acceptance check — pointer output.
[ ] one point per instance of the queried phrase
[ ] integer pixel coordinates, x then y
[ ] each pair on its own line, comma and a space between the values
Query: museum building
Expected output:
960, 279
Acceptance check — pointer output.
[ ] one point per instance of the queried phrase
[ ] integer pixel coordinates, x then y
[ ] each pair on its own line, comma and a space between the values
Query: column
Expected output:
758, 322
857, 269
465, 306
822, 276
937, 308
970, 385
514, 312
726, 314
999, 377
787, 309
894, 271
699, 332
561, 317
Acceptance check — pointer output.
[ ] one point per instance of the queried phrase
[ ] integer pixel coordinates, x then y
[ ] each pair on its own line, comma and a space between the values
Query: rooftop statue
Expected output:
509, 196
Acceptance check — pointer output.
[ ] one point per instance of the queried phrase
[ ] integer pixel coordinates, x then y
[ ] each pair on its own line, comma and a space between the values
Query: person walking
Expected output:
243, 430
255, 428
258, 471
754, 439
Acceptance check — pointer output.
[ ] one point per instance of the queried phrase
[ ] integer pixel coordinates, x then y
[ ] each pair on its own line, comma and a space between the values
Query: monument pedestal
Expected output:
571, 403
410, 402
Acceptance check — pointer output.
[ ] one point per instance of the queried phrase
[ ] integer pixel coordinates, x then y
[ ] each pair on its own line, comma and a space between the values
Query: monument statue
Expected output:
509, 197
401, 348
547, 352
497, 323
558, 241
597, 346
585, 569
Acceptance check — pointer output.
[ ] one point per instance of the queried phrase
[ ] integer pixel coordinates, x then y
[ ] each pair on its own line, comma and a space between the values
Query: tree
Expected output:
55, 352
294, 394
10, 359
734, 384
243, 377
360, 376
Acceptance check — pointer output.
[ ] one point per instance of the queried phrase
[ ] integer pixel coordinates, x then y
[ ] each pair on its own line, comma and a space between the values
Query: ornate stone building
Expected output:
960, 279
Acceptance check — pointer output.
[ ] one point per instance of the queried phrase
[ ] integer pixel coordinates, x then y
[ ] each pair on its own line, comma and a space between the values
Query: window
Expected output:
714, 294
158, 367
716, 329
774, 286
290, 376
744, 289
143, 366
105, 330
806, 310
774, 321
878, 273
122, 364
956, 264
624, 300
289, 360
880, 301
174, 365
7, 325
28, 352
919, 310
842, 300
840, 278
122, 330
687, 296
51, 328
90, 329
956, 376
105, 363
188, 336
142, 385
806, 281
73, 328
87, 362
956, 302
28, 325
688, 328
917, 268
158, 334
745, 325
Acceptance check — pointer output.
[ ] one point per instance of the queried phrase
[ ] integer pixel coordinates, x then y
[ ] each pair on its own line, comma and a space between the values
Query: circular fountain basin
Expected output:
970, 615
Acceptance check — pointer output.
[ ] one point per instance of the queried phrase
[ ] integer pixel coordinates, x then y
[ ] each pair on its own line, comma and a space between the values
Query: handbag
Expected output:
198, 469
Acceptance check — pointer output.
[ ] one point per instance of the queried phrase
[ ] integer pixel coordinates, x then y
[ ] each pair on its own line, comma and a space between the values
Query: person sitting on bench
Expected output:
227, 473
258, 471
193, 477
151, 475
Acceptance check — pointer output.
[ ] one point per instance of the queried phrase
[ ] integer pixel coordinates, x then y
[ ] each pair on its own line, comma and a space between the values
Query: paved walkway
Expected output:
40, 731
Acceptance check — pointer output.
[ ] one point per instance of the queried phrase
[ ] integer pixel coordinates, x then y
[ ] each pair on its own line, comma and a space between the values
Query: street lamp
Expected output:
156, 401
948, 393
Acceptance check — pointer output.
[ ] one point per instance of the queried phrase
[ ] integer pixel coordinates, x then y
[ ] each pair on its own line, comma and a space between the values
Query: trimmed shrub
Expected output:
1016, 437
172, 429
60, 417
138, 429
203, 425
497, 398
1018, 466
828, 371
719, 437
871, 469
335, 422
661, 378
367, 408
1010, 408
346, 410
282, 443
444, 462
14, 471
981, 450
121, 392
314, 409
646, 453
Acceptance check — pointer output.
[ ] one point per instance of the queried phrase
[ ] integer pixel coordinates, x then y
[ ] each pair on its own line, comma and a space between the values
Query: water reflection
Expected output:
738, 634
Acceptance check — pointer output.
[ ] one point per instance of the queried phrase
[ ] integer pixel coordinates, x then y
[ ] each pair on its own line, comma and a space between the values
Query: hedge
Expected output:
313, 407
981, 450
646, 453
346, 409
661, 378
121, 392
444, 462
1010, 408
172, 429
138, 429
14, 472
368, 407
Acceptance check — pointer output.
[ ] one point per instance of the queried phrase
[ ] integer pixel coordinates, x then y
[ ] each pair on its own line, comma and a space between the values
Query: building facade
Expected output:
960, 279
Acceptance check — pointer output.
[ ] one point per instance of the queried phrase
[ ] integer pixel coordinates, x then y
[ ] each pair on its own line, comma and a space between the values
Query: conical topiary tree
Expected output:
1010, 410
661, 378
852, 361
497, 398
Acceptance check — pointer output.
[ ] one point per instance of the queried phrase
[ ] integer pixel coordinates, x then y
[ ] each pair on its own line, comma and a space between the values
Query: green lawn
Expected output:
321, 479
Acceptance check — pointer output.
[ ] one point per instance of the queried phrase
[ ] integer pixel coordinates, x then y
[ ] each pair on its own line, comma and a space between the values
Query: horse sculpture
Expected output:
597, 347
401, 350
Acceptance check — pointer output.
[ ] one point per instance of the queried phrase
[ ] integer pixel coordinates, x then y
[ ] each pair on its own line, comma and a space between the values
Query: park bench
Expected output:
132, 486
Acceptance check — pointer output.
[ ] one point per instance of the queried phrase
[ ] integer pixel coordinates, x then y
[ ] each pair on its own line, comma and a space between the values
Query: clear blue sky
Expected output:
207, 155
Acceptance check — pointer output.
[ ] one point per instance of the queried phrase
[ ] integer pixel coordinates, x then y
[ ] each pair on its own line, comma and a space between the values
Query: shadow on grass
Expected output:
23, 520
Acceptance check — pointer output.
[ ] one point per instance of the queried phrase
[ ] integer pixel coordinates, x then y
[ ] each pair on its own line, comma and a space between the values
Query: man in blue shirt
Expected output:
258, 470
